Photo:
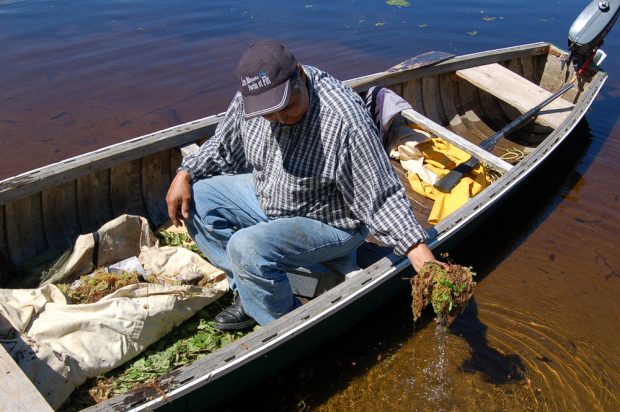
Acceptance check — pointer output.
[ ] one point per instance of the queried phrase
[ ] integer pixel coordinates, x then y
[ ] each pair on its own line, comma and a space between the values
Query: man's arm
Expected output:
222, 153
377, 197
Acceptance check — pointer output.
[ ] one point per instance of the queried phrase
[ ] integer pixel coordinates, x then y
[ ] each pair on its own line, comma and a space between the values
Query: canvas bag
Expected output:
59, 345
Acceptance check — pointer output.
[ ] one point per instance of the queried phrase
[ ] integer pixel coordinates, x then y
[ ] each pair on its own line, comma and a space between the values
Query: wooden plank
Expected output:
456, 140
156, 178
176, 157
447, 86
510, 111
24, 229
412, 92
70, 169
396, 88
517, 91
554, 76
18, 393
126, 189
432, 100
60, 220
476, 125
5, 263
529, 69
94, 205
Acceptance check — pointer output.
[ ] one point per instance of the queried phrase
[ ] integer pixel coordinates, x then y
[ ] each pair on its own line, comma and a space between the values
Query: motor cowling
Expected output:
587, 32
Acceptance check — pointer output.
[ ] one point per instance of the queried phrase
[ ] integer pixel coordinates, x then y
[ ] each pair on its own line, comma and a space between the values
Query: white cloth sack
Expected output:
60, 345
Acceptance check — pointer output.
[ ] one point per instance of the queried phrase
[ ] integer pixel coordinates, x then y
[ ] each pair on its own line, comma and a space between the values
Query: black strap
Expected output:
97, 239
371, 103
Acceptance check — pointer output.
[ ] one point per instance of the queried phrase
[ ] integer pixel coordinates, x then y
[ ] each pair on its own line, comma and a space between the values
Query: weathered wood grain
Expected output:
432, 100
24, 229
412, 92
60, 220
508, 86
156, 178
18, 393
363, 83
126, 189
107, 157
94, 203
447, 85
5, 262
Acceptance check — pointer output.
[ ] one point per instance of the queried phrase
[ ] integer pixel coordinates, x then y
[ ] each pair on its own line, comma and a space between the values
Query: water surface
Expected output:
543, 331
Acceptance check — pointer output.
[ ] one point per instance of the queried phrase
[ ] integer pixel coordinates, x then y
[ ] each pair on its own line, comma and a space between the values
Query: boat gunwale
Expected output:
385, 269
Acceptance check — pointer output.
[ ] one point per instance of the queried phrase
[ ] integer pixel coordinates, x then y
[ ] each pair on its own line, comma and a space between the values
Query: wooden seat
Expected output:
517, 91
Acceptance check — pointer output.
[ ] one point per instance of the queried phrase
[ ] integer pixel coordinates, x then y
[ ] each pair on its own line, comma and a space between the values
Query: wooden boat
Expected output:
464, 100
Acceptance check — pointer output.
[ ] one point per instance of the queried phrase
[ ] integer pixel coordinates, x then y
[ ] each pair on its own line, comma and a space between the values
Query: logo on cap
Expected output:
256, 82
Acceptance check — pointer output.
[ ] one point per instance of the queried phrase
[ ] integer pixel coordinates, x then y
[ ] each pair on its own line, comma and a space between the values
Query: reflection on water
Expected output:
542, 333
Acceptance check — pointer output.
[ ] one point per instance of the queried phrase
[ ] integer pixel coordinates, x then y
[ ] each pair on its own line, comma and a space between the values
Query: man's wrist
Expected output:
186, 170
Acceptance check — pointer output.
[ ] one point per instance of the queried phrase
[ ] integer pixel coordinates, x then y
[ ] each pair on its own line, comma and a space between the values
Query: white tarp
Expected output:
60, 345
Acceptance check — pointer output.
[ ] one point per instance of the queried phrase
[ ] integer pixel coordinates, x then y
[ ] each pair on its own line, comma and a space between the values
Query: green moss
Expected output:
446, 287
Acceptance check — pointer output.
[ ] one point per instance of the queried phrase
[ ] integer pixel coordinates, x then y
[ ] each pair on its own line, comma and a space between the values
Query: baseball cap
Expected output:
264, 73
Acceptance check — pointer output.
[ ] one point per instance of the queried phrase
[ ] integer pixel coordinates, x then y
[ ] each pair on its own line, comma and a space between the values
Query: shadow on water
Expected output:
494, 366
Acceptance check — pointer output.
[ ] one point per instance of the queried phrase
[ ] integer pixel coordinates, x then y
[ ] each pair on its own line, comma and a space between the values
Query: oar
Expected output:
422, 60
448, 181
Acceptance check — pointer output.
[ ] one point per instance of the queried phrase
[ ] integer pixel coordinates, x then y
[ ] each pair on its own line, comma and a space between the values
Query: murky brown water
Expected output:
543, 332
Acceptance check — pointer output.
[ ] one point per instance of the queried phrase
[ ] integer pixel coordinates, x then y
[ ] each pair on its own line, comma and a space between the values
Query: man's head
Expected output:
269, 78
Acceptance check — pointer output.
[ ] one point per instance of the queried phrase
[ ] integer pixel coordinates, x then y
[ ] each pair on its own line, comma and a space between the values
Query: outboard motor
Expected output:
587, 32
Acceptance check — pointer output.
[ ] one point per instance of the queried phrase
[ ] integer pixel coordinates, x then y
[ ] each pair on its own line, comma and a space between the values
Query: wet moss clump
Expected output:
447, 287
91, 288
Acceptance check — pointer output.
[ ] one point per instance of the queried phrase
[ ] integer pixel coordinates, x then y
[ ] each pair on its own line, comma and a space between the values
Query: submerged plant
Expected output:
398, 3
447, 287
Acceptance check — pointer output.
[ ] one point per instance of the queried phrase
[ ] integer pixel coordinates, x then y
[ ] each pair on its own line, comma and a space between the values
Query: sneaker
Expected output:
234, 317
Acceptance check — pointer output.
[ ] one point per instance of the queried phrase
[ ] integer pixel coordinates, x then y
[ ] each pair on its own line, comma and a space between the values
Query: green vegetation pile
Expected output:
447, 287
192, 340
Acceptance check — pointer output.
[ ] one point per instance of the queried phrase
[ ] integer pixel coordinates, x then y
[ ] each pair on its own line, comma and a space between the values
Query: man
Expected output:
319, 182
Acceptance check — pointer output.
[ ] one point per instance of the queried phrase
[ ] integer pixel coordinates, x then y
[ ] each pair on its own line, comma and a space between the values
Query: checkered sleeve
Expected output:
373, 191
223, 153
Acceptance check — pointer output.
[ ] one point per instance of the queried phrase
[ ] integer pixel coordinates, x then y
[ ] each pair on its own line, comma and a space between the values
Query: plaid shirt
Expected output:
329, 167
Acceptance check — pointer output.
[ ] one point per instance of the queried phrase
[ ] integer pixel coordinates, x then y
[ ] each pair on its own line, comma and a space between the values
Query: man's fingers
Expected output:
178, 198
172, 213
185, 208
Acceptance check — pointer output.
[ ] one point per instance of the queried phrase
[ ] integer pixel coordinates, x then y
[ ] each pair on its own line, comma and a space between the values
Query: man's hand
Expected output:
419, 254
178, 197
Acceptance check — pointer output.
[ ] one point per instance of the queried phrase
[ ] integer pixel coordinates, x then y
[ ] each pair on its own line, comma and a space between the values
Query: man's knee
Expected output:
244, 251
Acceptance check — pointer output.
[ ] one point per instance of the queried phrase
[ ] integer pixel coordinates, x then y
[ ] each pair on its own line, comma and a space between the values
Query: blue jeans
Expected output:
229, 227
